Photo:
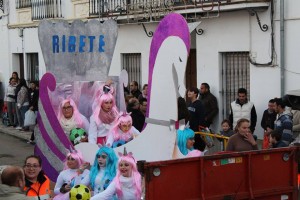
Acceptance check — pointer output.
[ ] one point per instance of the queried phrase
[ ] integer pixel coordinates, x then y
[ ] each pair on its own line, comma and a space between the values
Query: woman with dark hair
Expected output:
15, 75
22, 102
37, 184
243, 139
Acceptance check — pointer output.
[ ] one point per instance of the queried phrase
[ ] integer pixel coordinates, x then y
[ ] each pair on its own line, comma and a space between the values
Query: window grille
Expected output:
33, 66
131, 62
235, 71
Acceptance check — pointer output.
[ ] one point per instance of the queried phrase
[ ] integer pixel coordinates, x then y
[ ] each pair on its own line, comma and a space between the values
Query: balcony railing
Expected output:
42, 9
145, 10
23, 3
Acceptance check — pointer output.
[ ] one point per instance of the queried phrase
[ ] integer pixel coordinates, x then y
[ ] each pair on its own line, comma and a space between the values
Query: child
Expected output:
275, 140
74, 171
103, 170
127, 184
226, 129
122, 132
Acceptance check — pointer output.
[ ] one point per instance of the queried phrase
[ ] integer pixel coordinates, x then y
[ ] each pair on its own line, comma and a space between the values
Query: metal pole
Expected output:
282, 50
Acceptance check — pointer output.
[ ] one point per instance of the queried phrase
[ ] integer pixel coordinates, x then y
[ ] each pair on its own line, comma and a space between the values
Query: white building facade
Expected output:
237, 43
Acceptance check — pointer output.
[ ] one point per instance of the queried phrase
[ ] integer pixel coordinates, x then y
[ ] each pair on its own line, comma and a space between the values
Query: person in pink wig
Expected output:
122, 132
127, 184
103, 117
69, 117
75, 169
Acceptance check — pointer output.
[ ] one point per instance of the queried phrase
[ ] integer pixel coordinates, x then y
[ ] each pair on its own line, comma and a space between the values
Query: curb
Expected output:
23, 135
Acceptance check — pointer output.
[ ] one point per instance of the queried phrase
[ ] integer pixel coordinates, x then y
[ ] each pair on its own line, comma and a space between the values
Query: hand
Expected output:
31, 108
109, 82
249, 137
67, 188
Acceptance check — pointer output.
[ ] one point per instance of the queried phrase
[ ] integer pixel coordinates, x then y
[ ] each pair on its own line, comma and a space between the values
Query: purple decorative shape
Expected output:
48, 82
171, 25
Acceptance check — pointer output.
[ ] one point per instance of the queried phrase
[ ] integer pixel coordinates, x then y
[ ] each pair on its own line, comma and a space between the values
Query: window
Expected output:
33, 66
131, 62
235, 71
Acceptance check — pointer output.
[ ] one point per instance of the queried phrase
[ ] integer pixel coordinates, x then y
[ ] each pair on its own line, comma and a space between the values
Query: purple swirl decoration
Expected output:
49, 127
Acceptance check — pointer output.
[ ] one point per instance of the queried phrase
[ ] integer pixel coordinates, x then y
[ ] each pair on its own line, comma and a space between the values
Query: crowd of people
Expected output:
110, 177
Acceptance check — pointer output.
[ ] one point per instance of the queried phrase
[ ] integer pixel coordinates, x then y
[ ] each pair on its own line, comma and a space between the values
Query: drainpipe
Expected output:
282, 61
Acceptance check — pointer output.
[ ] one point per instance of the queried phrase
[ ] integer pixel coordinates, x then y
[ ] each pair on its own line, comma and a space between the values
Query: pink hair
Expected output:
105, 98
137, 180
124, 118
76, 155
76, 113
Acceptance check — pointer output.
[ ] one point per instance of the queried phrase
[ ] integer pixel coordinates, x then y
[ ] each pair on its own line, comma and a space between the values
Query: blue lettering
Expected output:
101, 43
81, 43
63, 41
55, 45
91, 38
72, 43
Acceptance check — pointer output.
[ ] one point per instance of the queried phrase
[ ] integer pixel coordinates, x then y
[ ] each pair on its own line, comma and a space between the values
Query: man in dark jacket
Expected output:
209, 102
197, 116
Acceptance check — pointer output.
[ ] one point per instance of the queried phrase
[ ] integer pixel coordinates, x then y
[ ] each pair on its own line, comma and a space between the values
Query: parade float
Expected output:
78, 58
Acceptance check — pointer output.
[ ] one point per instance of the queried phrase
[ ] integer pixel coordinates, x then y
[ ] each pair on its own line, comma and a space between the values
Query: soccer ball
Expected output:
80, 192
76, 134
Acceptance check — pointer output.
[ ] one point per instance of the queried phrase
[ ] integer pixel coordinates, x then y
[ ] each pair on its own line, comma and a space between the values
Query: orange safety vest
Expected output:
39, 190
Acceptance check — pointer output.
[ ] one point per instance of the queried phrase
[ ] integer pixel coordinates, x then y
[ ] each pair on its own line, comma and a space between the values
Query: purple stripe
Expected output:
46, 166
48, 82
171, 25
51, 145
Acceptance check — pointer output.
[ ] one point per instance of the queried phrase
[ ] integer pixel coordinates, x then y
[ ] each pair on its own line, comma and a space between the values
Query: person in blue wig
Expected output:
185, 142
103, 170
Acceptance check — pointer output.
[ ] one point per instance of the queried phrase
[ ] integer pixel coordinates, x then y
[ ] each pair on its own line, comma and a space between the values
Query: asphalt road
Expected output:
13, 151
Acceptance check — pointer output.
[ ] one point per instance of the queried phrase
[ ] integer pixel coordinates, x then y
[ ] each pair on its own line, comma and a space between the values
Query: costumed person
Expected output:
103, 170
122, 132
185, 142
75, 169
103, 117
37, 184
127, 184
69, 117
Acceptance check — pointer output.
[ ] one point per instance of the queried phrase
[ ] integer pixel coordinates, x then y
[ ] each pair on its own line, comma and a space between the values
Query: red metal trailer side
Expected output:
263, 175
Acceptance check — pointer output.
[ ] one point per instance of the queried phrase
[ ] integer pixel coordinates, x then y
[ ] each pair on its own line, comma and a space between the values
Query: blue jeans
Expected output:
23, 110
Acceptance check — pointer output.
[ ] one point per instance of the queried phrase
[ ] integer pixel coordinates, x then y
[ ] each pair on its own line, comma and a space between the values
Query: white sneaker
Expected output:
18, 127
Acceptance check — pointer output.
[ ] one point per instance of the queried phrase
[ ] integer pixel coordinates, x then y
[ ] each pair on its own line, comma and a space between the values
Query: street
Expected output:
13, 151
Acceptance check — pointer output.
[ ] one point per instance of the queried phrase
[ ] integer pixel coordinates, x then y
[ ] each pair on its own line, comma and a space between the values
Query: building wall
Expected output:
230, 32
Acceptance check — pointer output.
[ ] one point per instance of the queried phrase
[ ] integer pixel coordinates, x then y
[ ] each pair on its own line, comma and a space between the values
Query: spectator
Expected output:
143, 106
275, 140
134, 89
10, 101
242, 108
209, 102
267, 122
226, 129
197, 116
242, 140
22, 102
138, 119
13, 181
144, 92
183, 112
37, 184
284, 122
15, 75
296, 123
33, 103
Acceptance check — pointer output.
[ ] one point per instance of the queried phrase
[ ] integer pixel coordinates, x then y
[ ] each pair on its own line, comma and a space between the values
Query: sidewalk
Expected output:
23, 135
